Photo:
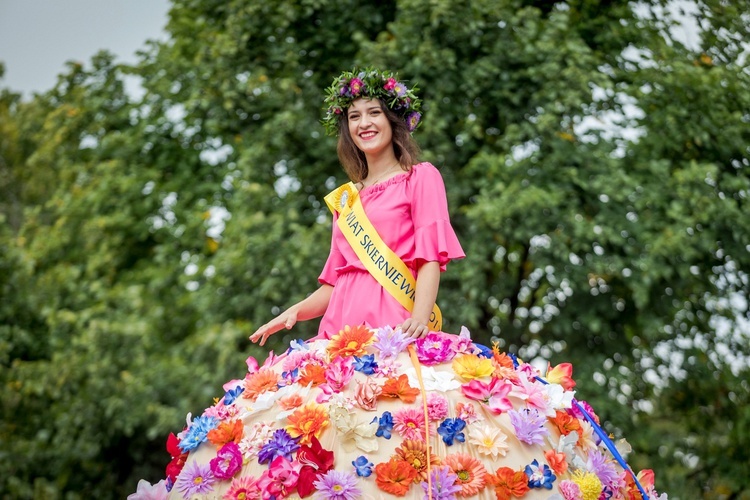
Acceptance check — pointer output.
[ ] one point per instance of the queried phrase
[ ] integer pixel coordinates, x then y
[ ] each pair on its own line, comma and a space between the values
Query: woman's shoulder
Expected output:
425, 172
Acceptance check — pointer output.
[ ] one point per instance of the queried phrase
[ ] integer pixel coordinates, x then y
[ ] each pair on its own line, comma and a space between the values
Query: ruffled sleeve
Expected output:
335, 261
435, 240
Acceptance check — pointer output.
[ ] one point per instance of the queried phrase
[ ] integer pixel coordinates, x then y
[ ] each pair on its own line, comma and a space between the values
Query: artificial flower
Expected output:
280, 444
350, 342
437, 406
395, 476
352, 432
335, 485
179, 457
226, 432
231, 395
467, 413
367, 394
259, 382
504, 367
338, 374
587, 439
443, 482
557, 461
388, 367
529, 425
280, 479
566, 423
385, 425
508, 483
415, 454
389, 342
452, 429
488, 440
362, 466
437, 381
603, 467
315, 461
365, 364
228, 461
290, 402
494, 394
148, 491
410, 424
256, 436
195, 479
308, 421
469, 473
561, 374
399, 388
243, 488
462, 343
197, 433
312, 374
468, 367
533, 394
589, 484
570, 490
581, 408
434, 348
645, 477
540, 476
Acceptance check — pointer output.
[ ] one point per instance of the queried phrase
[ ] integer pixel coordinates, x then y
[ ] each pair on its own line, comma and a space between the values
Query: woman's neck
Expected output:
377, 166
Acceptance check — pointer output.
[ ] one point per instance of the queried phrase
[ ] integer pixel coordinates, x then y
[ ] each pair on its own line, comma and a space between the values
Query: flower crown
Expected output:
372, 84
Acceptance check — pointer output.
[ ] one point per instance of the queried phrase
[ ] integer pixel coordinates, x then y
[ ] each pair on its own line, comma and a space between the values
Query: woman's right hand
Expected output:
287, 320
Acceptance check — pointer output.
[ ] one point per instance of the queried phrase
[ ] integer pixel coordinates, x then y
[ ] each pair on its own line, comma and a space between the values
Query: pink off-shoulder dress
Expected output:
410, 213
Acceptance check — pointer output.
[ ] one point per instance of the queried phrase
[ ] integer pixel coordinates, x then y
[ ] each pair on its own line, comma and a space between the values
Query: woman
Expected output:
381, 404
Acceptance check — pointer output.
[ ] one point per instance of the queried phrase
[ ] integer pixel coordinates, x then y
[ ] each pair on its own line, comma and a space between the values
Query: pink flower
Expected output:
437, 406
390, 84
243, 488
280, 479
533, 393
570, 490
355, 86
338, 374
228, 461
467, 413
433, 349
409, 423
367, 394
494, 394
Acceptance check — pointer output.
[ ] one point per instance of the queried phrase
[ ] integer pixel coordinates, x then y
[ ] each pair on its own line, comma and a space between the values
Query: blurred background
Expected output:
156, 207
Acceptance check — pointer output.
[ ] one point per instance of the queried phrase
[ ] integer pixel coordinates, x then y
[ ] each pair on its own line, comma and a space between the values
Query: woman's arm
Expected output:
312, 307
428, 282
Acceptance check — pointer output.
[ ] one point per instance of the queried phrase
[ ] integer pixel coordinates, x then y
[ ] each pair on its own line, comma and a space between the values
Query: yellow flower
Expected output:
590, 485
469, 367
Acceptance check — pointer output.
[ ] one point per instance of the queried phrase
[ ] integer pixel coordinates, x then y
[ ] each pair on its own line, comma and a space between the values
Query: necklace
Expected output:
380, 177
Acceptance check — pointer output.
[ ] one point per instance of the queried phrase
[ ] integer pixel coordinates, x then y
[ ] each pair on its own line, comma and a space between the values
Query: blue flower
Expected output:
539, 477
281, 444
452, 428
484, 351
290, 377
385, 425
197, 432
366, 364
233, 394
363, 466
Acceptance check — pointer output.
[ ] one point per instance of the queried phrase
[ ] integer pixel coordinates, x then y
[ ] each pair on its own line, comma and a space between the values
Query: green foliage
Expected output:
598, 177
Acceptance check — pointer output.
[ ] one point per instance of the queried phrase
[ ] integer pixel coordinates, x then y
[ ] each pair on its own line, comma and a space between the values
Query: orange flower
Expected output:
312, 374
399, 388
260, 382
508, 483
470, 471
556, 461
290, 402
307, 422
414, 453
566, 423
504, 369
350, 342
226, 432
561, 374
395, 476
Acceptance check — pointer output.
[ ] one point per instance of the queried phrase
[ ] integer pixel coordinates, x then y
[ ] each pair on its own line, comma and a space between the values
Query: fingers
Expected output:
414, 329
286, 320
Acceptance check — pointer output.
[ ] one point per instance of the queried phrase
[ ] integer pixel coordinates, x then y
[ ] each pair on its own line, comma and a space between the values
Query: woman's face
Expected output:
368, 126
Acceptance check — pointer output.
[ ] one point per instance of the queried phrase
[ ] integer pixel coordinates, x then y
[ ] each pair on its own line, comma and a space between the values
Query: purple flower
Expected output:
390, 342
385, 425
363, 466
336, 485
280, 445
529, 425
434, 349
232, 394
195, 479
399, 89
366, 364
412, 120
539, 477
198, 432
452, 428
444, 485
228, 461
605, 470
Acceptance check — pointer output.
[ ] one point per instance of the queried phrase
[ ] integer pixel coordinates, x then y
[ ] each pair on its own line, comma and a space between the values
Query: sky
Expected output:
37, 37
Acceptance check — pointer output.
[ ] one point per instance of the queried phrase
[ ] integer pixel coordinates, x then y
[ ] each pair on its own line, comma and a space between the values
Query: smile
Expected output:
367, 135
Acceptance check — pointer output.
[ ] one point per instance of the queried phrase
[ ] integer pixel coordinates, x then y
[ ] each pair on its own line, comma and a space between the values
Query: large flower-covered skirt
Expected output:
371, 414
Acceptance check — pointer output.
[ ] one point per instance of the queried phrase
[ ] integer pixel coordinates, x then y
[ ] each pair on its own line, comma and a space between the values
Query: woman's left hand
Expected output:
414, 329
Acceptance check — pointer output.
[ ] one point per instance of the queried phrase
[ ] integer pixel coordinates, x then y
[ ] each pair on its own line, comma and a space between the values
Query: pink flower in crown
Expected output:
390, 84
433, 349
494, 394
280, 479
355, 86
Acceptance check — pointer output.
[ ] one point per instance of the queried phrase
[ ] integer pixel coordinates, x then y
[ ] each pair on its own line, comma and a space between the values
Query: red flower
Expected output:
315, 461
178, 457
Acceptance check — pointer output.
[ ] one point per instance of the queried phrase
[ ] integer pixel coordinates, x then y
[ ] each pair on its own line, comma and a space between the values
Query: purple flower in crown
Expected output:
412, 120
400, 89
344, 91
355, 86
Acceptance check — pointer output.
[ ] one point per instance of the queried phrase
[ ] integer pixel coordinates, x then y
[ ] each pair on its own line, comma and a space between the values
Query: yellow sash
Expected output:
381, 262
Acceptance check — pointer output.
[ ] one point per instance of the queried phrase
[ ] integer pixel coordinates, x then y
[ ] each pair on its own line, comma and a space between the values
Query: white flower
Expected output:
558, 398
488, 440
433, 379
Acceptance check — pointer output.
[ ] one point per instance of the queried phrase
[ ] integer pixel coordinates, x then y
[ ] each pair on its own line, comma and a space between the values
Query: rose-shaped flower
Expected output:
367, 394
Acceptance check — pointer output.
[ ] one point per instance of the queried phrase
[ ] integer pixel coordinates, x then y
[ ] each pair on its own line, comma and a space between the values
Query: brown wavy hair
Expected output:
353, 159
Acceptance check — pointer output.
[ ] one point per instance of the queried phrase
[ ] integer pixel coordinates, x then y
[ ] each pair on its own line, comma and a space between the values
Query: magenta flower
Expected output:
437, 406
444, 485
390, 84
409, 423
337, 485
228, 461
529, 425
433, 349
389, 342
338, 373
195, 479
494, 394
280, 479
355, 86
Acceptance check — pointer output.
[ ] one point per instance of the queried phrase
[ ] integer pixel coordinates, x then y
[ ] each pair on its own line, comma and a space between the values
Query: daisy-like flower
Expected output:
148, 491
529, 425
452, 429
399, 89
395, 476
467, 413
412, 120
337, 486
363, 466
603, 467
414, 453
469, 473
589, 485
437, 406
350, 342
539, 476
312, 374
365, 364
226, 432
281, 444
195, 479
444, 485
228, 461
259, 382
489, 440
255, 437
468, 367
409, 423
389, 342
434, 348
243, 488
308, 421
197, 433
